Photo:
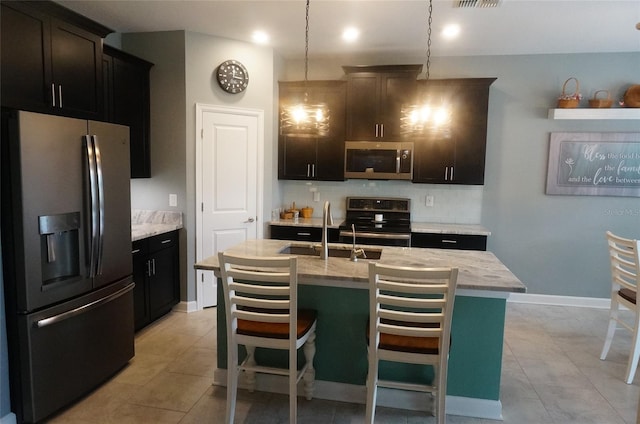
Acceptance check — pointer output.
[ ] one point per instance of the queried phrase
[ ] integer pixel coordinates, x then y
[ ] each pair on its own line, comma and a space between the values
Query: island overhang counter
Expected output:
338, 289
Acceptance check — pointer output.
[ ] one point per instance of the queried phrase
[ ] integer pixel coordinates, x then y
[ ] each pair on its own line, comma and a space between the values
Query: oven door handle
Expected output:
394, 236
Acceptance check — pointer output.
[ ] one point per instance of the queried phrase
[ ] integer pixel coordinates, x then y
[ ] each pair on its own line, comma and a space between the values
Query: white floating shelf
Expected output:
594, 113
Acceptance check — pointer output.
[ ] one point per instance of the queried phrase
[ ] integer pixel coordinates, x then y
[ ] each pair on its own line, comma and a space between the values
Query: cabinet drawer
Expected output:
286, 232
449, 241
296, 233
163, 241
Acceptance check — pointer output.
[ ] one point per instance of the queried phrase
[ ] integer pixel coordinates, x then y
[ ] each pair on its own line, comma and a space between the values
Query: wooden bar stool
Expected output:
410, 322
261, 305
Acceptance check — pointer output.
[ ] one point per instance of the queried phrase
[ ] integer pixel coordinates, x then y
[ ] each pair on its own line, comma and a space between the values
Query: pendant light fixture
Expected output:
306, 118
433, 115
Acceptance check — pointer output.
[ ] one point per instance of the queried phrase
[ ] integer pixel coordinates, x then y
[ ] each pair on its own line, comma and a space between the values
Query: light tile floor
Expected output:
551, 374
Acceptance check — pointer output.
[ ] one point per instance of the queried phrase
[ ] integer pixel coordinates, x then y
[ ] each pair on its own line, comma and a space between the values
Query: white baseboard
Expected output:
10, 418
186, 307
402, 399
545, 299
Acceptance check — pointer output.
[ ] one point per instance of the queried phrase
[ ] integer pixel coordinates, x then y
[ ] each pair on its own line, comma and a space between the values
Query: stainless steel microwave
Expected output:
378, 160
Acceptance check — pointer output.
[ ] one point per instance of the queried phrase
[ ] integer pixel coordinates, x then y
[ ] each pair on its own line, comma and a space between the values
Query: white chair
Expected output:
410, 322
625, 277
261, 300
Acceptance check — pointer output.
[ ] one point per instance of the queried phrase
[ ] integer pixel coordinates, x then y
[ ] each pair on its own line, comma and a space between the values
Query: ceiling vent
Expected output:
477, 3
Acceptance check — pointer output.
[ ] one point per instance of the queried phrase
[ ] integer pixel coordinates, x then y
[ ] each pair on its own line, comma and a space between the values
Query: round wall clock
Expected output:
232, 76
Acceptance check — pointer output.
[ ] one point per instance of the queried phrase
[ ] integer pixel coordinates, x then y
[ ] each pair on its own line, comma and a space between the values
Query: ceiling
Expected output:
388, 27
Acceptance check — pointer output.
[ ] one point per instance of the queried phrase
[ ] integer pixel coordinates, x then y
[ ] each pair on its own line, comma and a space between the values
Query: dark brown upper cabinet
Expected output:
456, 156
310, 156
375, 96
127, 102
51, 60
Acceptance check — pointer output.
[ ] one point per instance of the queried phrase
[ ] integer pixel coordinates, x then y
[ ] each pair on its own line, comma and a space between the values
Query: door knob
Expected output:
249, 220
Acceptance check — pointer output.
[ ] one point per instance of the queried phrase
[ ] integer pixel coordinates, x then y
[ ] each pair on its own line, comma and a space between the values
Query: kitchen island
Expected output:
338, 289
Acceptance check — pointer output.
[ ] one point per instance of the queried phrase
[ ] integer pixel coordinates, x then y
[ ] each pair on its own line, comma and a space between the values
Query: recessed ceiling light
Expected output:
260, 37
451, 31
350, 34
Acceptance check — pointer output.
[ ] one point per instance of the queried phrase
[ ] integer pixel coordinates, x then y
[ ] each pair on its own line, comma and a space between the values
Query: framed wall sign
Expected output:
594, 164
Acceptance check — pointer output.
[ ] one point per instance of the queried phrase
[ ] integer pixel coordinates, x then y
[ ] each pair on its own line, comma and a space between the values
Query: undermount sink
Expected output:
334, 252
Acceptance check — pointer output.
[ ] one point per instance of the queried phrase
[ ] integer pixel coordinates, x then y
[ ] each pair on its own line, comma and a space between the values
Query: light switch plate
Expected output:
429, 201
173, 200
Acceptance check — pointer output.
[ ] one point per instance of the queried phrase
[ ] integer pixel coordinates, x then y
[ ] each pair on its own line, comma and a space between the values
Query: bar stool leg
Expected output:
251, 362
309, 377
232, 382
434, 397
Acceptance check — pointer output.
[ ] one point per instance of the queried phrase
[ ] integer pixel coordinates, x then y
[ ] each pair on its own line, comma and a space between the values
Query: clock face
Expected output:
233, 76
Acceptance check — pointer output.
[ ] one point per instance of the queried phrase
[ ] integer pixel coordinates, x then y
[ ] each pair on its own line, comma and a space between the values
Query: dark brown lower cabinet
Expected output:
449, 241
299, 233
156, 272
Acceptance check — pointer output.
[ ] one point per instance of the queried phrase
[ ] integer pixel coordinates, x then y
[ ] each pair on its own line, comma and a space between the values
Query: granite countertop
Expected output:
439, 228
147, 223
478, 270
305, 222
416, 227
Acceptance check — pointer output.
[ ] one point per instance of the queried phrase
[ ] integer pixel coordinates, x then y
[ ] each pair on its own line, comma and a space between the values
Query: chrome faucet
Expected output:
327, 220
355, 252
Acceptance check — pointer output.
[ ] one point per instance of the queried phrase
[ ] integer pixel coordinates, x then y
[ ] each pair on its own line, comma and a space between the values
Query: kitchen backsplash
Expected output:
451, 204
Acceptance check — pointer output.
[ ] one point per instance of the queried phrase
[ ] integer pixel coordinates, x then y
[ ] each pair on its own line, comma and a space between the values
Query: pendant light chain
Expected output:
429, 38
306, 44
306, 53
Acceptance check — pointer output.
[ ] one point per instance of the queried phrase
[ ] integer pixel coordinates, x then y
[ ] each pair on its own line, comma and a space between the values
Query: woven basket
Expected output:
601, 103
568, 101
632, 96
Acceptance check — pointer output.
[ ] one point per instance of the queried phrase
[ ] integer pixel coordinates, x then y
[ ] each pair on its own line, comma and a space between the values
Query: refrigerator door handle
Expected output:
93, 207
100, 180
84, 308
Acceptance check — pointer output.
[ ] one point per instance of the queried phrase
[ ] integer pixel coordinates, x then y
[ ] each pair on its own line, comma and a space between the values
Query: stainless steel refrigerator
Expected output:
66, 246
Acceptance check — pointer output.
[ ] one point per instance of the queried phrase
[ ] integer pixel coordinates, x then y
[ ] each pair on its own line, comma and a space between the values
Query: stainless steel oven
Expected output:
380, 221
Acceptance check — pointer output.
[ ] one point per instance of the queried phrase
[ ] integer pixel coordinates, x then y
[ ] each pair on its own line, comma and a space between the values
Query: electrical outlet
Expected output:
316, 196
429, 201
173, 200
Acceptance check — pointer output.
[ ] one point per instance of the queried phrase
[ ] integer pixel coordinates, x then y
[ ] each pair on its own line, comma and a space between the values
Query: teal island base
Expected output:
475, 361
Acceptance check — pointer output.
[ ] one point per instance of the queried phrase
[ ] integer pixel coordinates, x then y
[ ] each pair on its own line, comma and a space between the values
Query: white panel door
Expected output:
230, 187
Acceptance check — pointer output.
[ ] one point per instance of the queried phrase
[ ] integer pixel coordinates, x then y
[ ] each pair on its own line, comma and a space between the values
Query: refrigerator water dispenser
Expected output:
59, 247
